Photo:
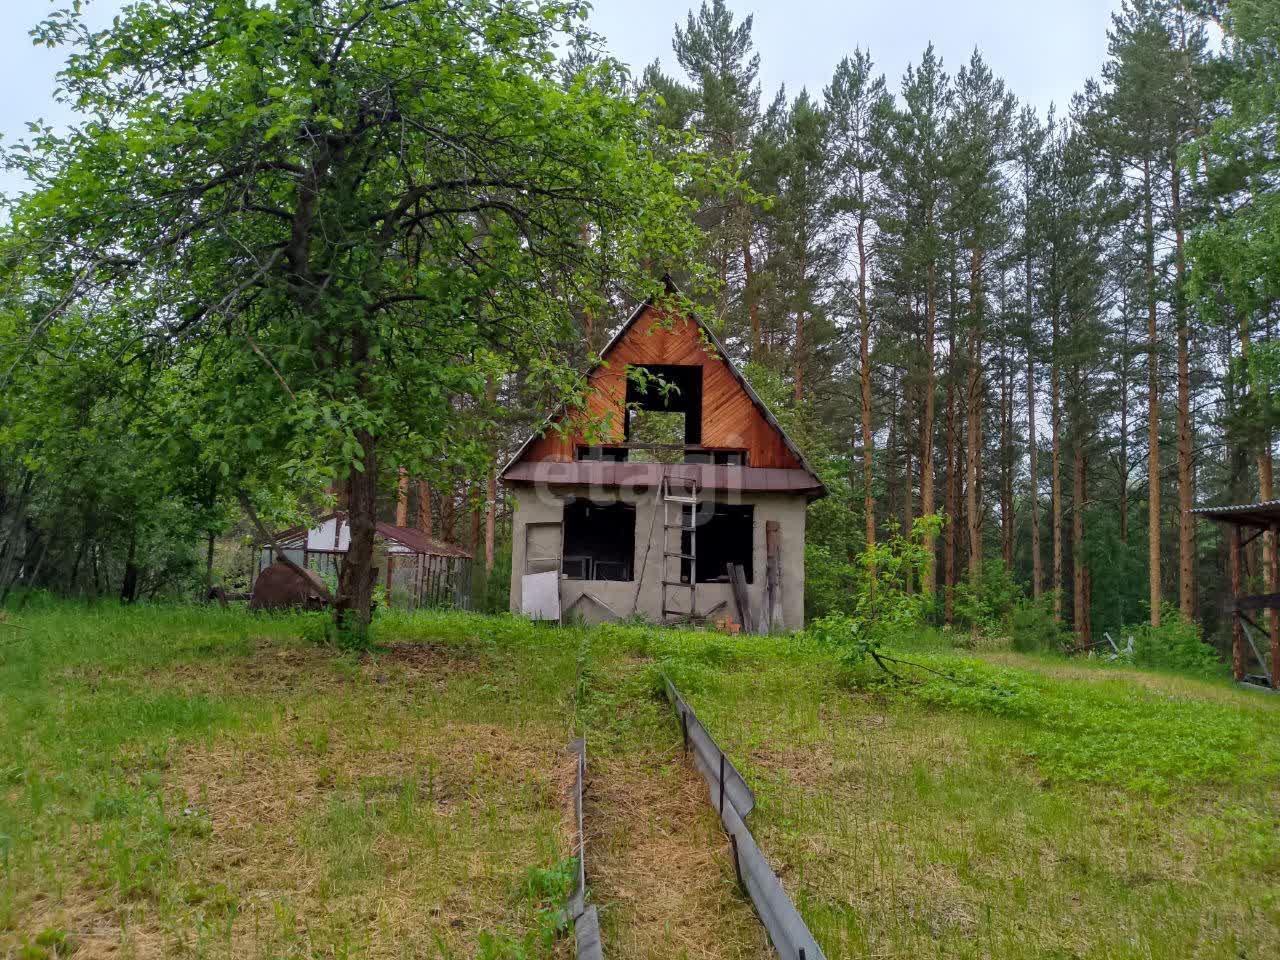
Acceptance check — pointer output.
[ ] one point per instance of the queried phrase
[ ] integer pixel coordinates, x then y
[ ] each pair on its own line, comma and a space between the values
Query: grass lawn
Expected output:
205, 783
1040, 808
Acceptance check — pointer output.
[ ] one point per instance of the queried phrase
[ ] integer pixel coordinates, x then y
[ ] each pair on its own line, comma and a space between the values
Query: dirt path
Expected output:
659, 864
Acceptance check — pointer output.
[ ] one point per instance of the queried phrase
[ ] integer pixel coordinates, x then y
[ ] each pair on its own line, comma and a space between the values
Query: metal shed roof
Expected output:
1264, 514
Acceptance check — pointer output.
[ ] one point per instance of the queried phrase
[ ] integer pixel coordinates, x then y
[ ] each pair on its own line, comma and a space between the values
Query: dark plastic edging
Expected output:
586, 922
733, 800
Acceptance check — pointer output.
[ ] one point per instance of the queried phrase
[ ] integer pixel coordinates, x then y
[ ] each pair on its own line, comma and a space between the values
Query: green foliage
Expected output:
1033, 627
886, 598
327, 241
1174, 645
992, 604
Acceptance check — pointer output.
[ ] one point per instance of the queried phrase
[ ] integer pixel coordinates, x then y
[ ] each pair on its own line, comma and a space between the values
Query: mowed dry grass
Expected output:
246, 794
195, 783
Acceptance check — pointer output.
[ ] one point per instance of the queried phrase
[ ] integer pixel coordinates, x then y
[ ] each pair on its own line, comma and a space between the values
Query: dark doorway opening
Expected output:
599, 540
724, 535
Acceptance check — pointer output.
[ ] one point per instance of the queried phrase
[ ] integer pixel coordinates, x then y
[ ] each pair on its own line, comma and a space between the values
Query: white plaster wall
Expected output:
534, 505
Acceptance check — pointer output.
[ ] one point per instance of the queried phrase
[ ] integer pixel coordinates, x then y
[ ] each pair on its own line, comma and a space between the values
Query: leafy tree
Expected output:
315, 225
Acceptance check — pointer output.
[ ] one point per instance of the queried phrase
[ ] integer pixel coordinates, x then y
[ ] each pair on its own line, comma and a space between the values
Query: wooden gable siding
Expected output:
729, 418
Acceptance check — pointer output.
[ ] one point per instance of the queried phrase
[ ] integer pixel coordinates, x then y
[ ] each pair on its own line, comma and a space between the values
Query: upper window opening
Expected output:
669, 389
607, 454
723, 458
599, 540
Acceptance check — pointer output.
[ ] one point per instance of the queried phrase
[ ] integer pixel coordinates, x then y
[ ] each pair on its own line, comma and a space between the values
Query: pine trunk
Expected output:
1124, 432
749, 290
1153, 405
1186, 476
1055, 402
930, 583
973, 421
424, 507
1037, 567
864, 378
490, 519
1080, 613
402, 498
952, 493
1006, 458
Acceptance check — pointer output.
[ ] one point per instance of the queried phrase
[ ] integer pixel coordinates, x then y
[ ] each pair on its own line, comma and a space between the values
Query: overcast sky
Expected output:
1045, 51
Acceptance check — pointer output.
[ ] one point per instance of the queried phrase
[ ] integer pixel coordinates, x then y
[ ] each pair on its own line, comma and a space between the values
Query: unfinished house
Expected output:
674, 496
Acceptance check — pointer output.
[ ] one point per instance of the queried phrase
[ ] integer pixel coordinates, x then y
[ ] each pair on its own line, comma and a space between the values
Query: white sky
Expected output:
1043, 50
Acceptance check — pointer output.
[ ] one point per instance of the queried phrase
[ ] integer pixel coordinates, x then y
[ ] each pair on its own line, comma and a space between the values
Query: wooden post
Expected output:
773, 575
1237, 628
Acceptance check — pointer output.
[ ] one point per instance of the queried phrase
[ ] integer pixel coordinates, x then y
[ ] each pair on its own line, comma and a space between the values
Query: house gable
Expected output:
733, 417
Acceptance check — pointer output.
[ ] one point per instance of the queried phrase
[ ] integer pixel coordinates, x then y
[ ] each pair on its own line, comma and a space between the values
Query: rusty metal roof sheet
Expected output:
1264, 514
604, 474
410, 538
419, 542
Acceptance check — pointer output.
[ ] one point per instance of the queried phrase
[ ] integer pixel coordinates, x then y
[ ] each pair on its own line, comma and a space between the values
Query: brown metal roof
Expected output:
410, 538
718, 477
419, 542
1265, 514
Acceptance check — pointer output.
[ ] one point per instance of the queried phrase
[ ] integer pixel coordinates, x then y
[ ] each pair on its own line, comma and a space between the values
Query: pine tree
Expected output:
911, 218
980, 129
859, 107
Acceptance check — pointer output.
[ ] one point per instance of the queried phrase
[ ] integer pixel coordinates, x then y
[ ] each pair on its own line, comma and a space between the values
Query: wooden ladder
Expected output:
679, 496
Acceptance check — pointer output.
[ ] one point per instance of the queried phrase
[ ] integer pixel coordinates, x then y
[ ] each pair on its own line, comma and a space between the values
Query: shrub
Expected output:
1174, 645
1033, 628
882, 602
991, 605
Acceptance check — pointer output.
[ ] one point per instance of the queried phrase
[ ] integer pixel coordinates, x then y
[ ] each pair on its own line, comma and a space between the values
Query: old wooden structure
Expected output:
1245, 523
673, 494
414, 569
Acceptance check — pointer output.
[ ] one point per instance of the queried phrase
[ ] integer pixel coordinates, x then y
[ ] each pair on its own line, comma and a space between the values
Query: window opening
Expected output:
599, 540
725, 535
665, 388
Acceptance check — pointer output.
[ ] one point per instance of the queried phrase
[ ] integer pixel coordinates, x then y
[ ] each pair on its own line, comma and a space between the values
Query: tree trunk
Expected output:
1079, 617
208, 567
1006, 456
864, 379
1124, 429
424, 507
930, 582
355, 590
749, 290
402, 498
1186, 477
1153, 404
490, 518
800, 343
1037, 567
354, 607
908, 488
1055, 402
129, 582
952, 494
973, 418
